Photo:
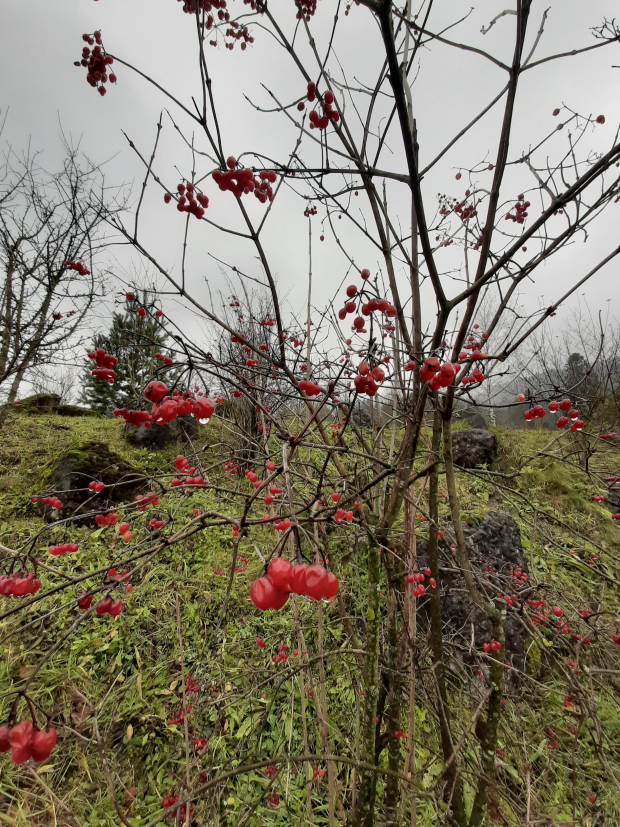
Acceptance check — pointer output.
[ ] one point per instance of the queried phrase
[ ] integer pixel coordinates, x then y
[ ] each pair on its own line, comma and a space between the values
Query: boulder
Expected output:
473, 448
70, 473
494, 542
473, 418
181, 429
50, 403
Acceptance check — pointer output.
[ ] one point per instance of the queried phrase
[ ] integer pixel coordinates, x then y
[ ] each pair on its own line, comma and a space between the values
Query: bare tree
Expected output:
461, 249
51, 230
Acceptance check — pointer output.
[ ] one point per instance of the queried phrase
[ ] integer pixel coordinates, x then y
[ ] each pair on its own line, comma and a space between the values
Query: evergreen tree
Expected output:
134, 341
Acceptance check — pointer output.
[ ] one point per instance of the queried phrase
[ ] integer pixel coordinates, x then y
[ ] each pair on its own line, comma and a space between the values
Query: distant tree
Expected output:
51, 229
134, 341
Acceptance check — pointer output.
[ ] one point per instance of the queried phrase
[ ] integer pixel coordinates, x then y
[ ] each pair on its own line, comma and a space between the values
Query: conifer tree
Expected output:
134, 341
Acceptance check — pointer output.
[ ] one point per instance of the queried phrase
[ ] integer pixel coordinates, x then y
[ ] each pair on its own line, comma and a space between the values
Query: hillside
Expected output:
285, 683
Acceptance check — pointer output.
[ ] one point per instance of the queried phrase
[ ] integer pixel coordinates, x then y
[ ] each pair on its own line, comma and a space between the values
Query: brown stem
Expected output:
453, 780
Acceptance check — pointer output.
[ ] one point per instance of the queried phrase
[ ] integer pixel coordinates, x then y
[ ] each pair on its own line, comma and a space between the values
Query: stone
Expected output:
493, 541
49, 403
70, 473
181, 429
473, 418
473, 448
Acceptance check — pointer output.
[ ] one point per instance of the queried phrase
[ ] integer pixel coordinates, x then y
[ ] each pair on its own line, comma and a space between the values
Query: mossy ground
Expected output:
123, 678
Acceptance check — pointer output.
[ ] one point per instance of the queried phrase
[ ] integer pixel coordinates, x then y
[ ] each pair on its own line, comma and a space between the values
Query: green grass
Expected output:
125, 674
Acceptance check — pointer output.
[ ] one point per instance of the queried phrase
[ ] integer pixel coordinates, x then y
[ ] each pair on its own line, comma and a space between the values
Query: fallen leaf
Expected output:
129, 732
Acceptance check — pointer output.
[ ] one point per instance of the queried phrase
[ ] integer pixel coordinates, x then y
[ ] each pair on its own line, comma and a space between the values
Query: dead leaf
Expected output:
80, 714
130, 796
139, 684
25, 672
129, 732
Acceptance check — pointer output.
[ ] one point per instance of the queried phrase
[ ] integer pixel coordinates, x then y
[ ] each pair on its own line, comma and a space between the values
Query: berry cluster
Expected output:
105, 362
120, 577
272, 591
341, 515
157, 525
63, 548
437, 375
181, 405
146, 499
95, 486
18, 585
320, 121
241, 181
188, 481
461, 208
368, 380
310, 210
190, 200
373, 305
309, 388
109, 607
77, 266
170, 800
25, 742
538, 412
418, 578
520, 213
493, 646
230, 468
97, 62
178, 717
193, 6
281, 656
53, 502
106, 519
305, 9
238, 32
135, 418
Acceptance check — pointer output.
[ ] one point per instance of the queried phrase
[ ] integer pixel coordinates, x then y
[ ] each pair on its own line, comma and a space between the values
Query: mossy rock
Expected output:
71, 471
181, 429
49, 403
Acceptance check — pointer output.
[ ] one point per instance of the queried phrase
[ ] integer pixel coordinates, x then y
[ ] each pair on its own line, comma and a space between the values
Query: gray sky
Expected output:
42, 90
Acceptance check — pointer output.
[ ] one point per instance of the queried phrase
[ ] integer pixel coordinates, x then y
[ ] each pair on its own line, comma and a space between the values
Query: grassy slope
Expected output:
128, 671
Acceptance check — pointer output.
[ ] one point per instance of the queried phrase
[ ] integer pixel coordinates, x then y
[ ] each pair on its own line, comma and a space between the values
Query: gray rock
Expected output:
180, 429
49, 403
70, 473
473, 448
494, 544
473, 418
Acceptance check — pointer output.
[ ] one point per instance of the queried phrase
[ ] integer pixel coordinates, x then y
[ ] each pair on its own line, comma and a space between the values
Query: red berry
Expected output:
279, 572
297, 581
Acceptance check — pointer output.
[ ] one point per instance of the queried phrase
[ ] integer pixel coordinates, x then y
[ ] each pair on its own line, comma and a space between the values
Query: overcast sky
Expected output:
43, 91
